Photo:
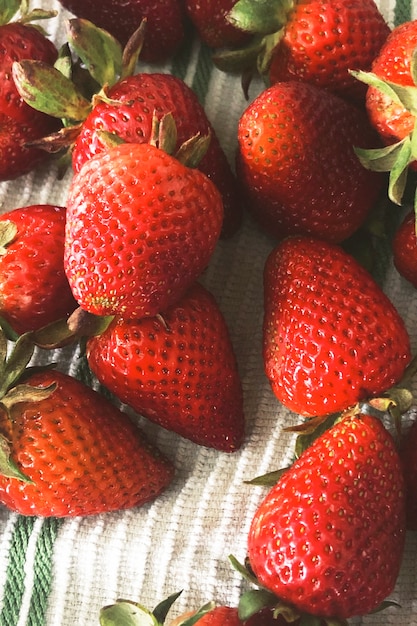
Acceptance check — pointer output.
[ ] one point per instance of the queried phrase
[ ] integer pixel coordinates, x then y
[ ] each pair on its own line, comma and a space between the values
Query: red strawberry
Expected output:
297, 163
82, 455
404, 248
165, 22
141, 227
329, 537
178, 370
409, 459
315, 41
220, 616
19, 123
332, 338
138, 97
34, 290
212, 25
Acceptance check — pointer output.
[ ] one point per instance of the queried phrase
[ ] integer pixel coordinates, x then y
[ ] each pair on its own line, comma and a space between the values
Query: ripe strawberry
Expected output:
19, 123
404, 248
141, 227
80, 454
210, 20
409, 459
178, 370
165, 29
315, 41
328, 538
220, 616
138, 97
297, 163
332, 338
34, 290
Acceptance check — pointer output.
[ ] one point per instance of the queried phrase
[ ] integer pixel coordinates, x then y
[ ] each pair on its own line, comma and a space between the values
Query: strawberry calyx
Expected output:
18, 11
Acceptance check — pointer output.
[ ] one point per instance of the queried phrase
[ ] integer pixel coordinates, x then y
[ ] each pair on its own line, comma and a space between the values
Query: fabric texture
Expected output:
60, 572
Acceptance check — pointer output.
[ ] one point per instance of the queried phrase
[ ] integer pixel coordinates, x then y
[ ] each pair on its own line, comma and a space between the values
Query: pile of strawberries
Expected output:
320, 151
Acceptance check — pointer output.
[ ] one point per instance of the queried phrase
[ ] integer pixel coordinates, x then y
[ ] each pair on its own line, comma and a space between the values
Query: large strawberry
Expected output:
66, 451
141, 227
316, 41
297, 163
328, 538
331, 337
178, 370
165, 28
404, 248
34, 289
19, 123
211, 22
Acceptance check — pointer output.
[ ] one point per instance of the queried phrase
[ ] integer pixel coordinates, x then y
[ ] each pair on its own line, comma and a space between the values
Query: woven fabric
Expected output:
60, 572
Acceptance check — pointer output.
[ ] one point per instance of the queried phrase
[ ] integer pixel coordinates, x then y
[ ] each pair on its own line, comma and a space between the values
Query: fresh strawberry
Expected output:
165, 28
141, 227
328, 538
178, 370
34, 290
404, 248
137, 98
409, 459
297, 163
70, 452
220, 616
332, 338
391, 107
315, 41
210, 20
19, 123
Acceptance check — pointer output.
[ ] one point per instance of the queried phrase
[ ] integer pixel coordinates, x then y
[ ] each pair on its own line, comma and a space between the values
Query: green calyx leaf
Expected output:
46, 89
8, 8
12, 367
404, 96
162, 609
101, 53
267, 480
127, 613
255, 600
261, 17
8, 467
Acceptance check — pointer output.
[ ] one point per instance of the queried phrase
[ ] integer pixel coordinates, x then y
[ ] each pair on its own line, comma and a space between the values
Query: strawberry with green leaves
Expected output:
34, 289
177, 369
19, 123
328, 538
297, 164
165, 30
315, 41
141, 227
210, 19
331, 337
66, 450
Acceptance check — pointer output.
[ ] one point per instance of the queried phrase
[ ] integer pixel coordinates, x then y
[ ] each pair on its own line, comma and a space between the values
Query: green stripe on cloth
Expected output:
402, 11
203, 73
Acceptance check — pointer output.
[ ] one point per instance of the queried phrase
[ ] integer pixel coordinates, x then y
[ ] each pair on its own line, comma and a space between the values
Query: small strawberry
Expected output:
178, 370
404, 248
34, 289
165, 30
141, 227
315, 41
19, 123
328, 538
297, 164
409, 459
68, 451
331, 337
210, 20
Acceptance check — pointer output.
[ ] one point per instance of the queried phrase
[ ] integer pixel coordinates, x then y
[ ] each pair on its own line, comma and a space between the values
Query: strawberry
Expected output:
297, 163
178, 370
141, 227
392, 107
19, 123
70, 452
328, 538
409, 460
137, 98
315, 41
165, 28
404, 248
210, 20
34, 290
331, 337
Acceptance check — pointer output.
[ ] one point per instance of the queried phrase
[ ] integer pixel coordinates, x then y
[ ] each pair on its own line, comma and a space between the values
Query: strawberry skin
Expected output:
178, 370
331, 337
141, 227
404, 249
138, 97
220, 616
34, 290
165, 22
297, 164
210, 20
82, 454
329, 537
